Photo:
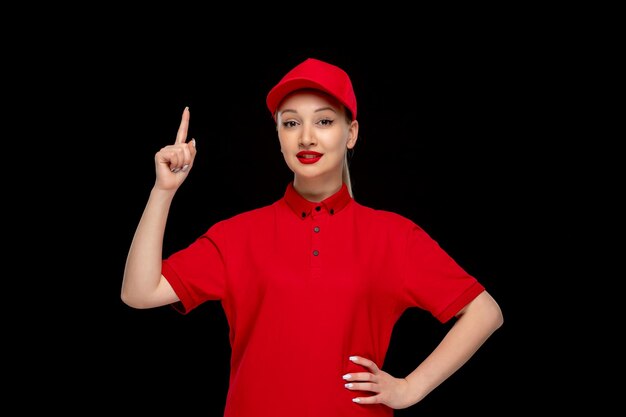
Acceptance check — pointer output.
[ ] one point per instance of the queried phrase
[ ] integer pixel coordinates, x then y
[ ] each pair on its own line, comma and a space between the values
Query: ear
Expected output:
353, 134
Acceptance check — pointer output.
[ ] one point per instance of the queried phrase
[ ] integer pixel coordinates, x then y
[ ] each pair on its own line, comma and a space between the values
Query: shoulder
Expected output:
253, 215
245, 219
385, 218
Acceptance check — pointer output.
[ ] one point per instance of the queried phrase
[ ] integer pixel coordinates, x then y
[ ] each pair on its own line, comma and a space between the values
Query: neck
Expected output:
315, 190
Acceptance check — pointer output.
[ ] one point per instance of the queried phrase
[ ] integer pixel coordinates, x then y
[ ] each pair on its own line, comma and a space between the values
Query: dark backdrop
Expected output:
446, 139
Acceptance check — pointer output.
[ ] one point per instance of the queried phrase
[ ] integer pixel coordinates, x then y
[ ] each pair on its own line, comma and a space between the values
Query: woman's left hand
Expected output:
388, 390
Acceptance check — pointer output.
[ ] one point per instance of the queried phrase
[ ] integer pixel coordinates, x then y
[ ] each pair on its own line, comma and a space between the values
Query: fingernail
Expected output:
185, 168
356, 400
193, 142
349, 385
353, 358
347, 376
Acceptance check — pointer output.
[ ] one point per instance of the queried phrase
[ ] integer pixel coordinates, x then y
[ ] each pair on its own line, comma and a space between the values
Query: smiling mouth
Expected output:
309, 157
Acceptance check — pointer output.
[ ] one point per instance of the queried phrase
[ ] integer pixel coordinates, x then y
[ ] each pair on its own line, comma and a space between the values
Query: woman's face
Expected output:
315, 134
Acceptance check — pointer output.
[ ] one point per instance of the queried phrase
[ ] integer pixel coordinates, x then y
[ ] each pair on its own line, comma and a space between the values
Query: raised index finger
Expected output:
181, 136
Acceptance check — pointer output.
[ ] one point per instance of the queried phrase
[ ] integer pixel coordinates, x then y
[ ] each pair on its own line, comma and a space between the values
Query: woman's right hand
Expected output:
173, 162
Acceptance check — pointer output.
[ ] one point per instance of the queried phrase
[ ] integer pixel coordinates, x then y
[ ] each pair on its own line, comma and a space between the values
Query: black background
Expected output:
447, 139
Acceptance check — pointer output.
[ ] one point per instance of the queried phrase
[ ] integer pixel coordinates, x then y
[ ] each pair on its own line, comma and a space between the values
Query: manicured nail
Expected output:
347, 376
356, 400
185, 168
353, 358
348, 385
193, 142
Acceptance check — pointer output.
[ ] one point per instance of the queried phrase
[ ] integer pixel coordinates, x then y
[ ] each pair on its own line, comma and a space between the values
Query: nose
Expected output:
307, 139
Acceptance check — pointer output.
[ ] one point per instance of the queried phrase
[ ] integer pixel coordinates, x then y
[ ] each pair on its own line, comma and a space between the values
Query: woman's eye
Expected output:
289, 123
326, 122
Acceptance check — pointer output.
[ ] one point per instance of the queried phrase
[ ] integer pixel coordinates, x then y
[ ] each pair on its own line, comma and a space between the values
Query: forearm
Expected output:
479, 320
142, 273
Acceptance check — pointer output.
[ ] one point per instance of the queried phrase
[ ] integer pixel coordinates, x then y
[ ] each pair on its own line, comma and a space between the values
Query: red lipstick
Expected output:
308, 157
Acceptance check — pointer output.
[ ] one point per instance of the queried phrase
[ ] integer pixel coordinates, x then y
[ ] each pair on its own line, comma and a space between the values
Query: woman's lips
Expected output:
308, 157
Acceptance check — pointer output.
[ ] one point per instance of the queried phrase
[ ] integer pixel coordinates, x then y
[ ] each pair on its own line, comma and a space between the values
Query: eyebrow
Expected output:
316, 111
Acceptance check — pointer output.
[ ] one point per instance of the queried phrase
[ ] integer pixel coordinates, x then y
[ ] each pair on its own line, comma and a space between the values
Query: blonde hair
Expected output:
345, 174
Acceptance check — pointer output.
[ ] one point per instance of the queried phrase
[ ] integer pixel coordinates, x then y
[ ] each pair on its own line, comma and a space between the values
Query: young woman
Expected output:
313, 284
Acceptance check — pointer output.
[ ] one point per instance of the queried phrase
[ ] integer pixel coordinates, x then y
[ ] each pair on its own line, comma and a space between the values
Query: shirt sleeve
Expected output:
197, 273
433, 280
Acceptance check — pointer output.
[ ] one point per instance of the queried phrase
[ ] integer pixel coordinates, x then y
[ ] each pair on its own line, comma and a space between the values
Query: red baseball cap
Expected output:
320, 75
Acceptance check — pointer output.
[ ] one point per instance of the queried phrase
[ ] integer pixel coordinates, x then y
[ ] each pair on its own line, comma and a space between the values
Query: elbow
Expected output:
127, 299
498, 319
494, 312
131, 301
486, 311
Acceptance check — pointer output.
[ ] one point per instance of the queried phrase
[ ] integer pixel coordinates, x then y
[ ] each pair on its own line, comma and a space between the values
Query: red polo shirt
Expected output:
306, 285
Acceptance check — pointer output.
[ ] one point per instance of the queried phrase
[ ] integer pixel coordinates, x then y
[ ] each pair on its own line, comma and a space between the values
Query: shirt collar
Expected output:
303, 207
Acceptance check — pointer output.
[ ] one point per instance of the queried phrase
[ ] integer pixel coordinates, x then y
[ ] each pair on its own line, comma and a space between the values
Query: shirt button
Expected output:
316, 229
316, 252
332, 211
318, 208
303, 215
